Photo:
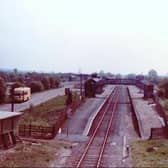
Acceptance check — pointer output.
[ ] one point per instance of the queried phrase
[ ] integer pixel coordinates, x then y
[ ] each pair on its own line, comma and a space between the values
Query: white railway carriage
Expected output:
21, 94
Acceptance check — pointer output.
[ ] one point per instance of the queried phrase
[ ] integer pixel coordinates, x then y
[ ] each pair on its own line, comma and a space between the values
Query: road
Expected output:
38, 98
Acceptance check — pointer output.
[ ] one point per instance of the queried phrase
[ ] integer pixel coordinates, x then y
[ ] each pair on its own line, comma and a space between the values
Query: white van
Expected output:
21, 94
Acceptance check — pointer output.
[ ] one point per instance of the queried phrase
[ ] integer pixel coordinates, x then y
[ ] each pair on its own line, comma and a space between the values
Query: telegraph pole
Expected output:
12, 103
80, 76
81, 85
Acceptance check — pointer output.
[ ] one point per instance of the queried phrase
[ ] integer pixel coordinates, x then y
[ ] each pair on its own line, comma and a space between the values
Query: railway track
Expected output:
92, 155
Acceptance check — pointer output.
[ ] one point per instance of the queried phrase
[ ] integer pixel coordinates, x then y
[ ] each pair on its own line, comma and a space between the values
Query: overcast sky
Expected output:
118, 36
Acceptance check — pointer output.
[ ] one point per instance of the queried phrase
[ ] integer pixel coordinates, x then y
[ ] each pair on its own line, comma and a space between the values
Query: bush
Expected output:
57, 83
52, 82
36, 86
2, 90
46, 83
166, 105
164, 87
160, 93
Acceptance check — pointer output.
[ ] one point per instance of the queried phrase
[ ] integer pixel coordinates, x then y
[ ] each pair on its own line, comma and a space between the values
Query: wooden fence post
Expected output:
30, 130
24, 130
53, 131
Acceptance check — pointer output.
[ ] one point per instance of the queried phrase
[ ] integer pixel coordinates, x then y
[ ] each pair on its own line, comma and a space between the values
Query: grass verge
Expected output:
40, 115
40, 154
164, 104
46, 113
150, 153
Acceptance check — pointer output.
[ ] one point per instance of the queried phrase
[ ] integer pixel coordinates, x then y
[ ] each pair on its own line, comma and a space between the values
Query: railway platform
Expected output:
76, 127
146, 115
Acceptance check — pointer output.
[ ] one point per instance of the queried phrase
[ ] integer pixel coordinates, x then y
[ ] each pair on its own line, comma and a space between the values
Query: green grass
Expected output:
164, 104
57, 103
150, 153
41, 115
28, 155
46, 113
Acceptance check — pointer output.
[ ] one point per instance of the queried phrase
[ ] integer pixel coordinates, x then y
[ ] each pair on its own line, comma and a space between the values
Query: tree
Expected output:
118, 76
131, 76
12, 77
54, 83
2, 90
153, 76
57, 83
140, 77
101, 73
163, 88
46, 83
109, 74
15, 71
36, 86
16, 85
94, 75
4, 75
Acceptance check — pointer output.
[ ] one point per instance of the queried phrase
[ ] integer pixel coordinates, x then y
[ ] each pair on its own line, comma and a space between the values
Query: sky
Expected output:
117, 36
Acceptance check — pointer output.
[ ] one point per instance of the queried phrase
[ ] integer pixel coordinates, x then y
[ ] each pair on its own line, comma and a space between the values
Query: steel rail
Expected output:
96, 129
107, 133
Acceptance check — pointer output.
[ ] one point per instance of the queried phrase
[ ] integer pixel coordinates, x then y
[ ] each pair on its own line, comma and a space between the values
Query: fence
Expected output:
36, 131
157, 133
159, 109
50, 131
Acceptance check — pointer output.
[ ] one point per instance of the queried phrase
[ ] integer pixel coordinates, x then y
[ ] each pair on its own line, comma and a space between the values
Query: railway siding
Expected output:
147, 117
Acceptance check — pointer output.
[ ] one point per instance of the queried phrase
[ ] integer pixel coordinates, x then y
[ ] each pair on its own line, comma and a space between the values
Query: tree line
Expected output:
36, 81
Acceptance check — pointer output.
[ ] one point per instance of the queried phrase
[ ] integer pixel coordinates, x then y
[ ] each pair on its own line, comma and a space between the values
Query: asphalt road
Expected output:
38, 98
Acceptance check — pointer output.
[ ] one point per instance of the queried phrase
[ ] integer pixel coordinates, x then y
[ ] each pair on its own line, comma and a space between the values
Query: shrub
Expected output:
57, 83
2, 90
46, 83
160, 93
52, 82
36, 86
166, 105
164, 87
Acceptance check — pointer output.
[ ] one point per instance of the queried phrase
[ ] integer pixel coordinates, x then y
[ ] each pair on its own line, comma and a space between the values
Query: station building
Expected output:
8, 128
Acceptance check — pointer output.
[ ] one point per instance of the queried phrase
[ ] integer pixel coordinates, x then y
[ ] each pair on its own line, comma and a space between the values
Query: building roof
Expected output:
96, 79
8, 114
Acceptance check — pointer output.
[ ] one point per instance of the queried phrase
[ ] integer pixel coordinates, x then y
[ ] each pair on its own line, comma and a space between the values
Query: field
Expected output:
150, 153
